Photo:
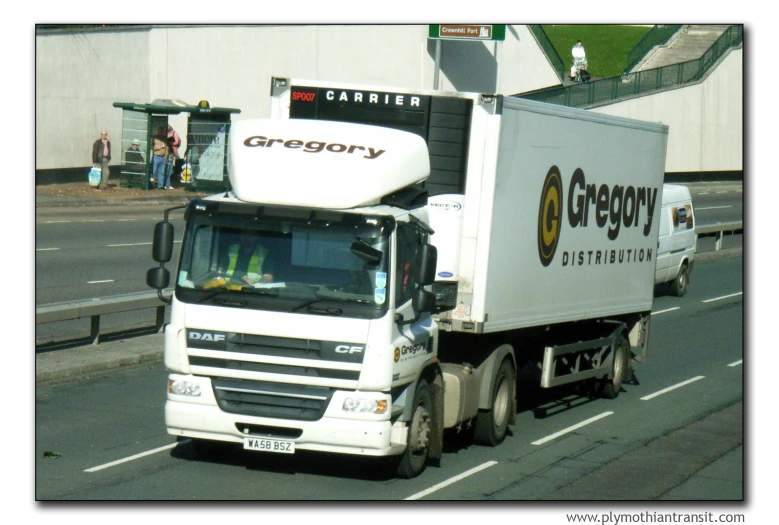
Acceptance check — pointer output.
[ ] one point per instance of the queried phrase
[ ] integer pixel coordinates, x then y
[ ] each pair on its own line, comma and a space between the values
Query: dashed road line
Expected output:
451, 480
723, 297
667, 310
571, 428
136, 456
736, 363
46, 249
713, 208
674, 387
100, 282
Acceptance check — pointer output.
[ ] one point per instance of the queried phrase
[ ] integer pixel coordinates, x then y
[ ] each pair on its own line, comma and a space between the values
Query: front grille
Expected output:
258, 354
248, 366
274, 400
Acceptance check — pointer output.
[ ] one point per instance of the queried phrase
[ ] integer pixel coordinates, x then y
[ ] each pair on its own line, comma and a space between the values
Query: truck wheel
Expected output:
414, 460
679, 285
620, 368
492, 425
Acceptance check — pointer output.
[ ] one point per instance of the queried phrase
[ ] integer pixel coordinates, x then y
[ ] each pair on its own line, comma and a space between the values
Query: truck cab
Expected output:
300, 318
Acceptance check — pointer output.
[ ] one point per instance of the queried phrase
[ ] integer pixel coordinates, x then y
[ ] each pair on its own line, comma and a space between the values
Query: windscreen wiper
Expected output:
322, 311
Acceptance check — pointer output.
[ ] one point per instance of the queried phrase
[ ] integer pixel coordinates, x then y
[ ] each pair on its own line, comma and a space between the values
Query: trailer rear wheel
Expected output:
414, 460
492, 425
620, 369
679, 285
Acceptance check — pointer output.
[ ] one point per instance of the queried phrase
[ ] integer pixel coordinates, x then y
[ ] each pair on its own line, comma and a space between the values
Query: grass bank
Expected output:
607, 46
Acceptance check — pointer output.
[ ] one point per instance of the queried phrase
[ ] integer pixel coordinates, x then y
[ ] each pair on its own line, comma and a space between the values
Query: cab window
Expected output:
408, 242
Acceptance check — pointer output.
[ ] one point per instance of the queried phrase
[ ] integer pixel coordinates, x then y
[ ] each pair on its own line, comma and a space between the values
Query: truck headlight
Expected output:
362, 404
181, 387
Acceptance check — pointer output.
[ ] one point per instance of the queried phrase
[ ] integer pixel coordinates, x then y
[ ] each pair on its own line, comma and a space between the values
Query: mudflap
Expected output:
437, 432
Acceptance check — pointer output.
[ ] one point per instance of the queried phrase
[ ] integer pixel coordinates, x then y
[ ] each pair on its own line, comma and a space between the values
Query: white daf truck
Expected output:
408, 253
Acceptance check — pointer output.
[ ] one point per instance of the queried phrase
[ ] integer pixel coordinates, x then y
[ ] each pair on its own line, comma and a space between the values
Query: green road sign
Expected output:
496, 33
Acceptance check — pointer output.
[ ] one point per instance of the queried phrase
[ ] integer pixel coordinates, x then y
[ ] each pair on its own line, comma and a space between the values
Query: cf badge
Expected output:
549, 216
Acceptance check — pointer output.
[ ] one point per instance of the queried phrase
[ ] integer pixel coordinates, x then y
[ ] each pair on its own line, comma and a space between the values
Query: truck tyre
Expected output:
679, 285
492, 425
414, 460
620, 369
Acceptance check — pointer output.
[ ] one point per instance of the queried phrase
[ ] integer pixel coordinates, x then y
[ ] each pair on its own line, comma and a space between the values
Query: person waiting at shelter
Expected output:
133, 158
248, 261
159, 159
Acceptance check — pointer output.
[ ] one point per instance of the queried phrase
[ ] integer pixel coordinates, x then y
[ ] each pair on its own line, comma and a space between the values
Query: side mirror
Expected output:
427, 258
158, 278
162, 249
423, 301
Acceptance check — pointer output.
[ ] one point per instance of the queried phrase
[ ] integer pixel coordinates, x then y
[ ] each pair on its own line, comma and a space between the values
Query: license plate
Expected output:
269, 445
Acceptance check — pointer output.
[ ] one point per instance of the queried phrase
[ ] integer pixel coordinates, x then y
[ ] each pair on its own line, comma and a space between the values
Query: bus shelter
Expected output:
203, 167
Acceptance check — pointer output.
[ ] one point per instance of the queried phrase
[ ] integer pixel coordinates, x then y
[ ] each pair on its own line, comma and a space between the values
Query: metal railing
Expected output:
656, 36
611, 89
546, 46
719, 230
94, 308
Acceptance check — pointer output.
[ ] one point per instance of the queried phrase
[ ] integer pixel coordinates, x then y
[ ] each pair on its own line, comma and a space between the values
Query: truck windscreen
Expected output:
285, 259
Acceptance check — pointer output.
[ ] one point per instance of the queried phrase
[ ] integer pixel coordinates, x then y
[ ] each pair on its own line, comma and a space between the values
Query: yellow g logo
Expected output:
397, 354
550, 216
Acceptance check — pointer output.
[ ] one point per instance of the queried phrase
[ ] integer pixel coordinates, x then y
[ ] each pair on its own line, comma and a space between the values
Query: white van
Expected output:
677, 240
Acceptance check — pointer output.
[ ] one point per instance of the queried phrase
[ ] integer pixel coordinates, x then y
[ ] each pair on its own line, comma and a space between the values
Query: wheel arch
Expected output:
489, 369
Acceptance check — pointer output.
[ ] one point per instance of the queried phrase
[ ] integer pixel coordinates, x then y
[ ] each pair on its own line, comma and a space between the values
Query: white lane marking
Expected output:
142, 454
713, 208
723, 297
703, 193
723, 191
46, 249
571, 429
674, 387
100, 282
664, 311
454, 479
740, 361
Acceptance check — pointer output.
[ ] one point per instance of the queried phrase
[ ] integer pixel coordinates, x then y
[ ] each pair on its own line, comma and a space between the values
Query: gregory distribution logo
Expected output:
549, 216
608, 209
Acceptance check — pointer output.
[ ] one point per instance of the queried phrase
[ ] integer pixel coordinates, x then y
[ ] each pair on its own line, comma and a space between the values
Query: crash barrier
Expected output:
628, 85
94, 308
719, 230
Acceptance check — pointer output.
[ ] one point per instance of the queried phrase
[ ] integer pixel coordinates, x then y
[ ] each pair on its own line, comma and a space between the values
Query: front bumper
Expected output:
201, 417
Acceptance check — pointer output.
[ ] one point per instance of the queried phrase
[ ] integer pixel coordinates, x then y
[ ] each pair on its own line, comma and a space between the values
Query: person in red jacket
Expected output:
174, 141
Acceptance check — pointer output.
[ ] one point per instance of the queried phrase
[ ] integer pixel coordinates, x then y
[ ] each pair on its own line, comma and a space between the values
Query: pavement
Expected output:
709, 470
82, 194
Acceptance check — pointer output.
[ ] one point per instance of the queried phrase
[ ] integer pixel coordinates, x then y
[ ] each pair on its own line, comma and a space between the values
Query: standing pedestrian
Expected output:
159, 159
174, 141
101, 156
579, 60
